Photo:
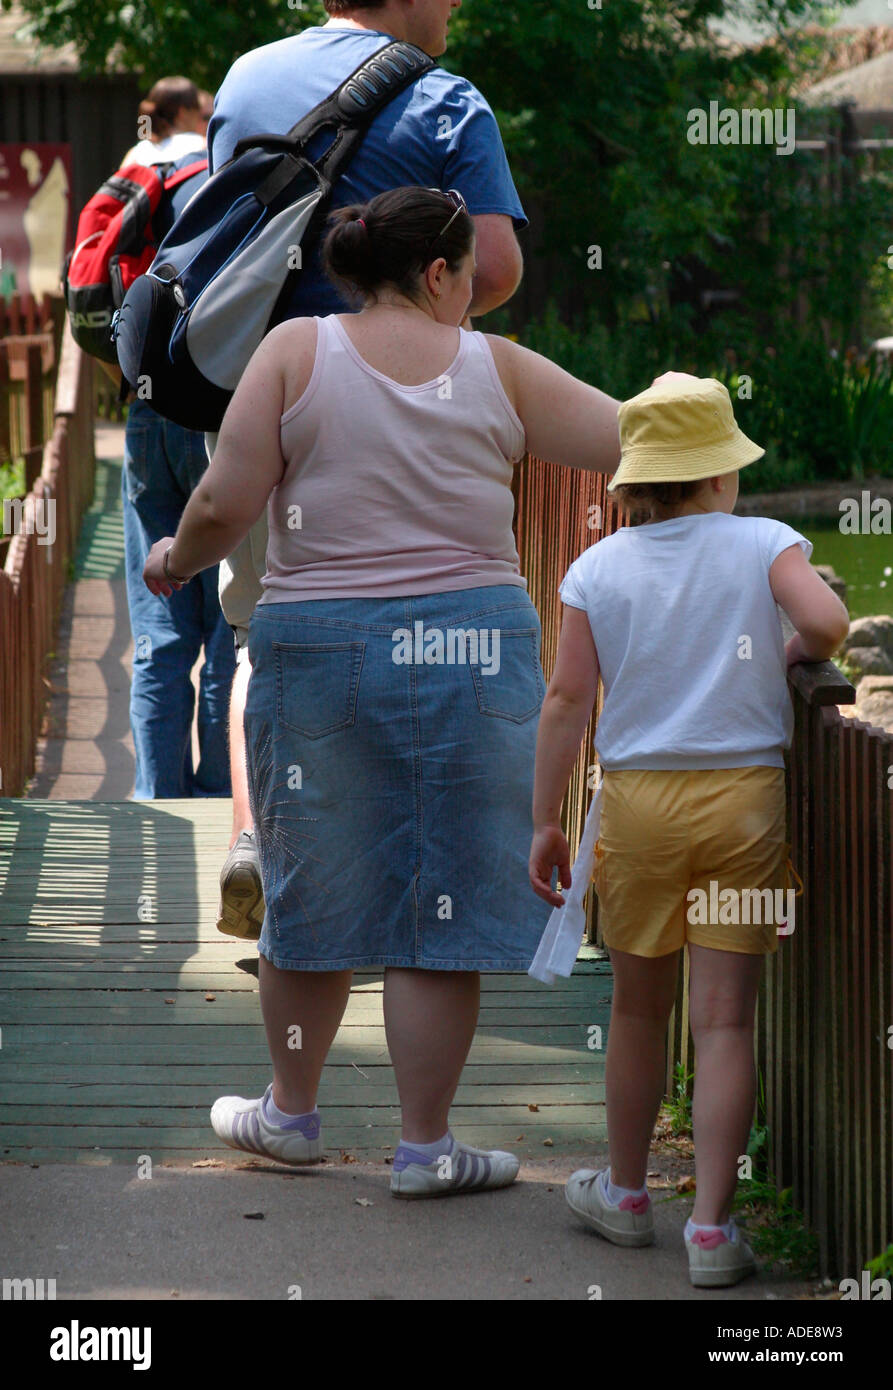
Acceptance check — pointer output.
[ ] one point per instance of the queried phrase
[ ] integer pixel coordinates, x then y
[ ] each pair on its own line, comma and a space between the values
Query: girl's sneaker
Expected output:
463, 1169
632, 1223
243, 1125
715, 1262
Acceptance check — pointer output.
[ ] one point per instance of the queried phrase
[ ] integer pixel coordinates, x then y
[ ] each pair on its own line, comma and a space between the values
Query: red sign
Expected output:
35, 217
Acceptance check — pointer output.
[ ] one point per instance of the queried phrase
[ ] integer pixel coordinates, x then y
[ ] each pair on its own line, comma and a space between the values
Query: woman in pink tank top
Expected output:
396, 682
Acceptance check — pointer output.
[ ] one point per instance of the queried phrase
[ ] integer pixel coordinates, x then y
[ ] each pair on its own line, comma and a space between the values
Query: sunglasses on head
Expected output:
458, 202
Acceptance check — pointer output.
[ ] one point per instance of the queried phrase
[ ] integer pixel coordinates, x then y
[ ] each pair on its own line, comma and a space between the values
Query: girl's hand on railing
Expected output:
156, 581
794, 650
548, 850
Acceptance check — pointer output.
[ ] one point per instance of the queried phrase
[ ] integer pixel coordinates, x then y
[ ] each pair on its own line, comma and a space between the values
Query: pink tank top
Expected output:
390, 489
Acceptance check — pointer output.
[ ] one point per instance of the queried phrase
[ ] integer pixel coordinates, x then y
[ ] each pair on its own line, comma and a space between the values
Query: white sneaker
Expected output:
631, 1224
715, 1262
241, 1124
464, 1169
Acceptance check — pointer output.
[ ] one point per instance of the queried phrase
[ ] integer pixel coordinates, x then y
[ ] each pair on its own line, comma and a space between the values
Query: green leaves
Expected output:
161, 37
594, 108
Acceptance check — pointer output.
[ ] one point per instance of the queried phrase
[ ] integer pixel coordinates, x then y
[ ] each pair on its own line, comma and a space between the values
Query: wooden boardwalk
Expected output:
112, 1048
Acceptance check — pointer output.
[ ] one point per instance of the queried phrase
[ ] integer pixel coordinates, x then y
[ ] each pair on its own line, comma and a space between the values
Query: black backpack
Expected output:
223, 276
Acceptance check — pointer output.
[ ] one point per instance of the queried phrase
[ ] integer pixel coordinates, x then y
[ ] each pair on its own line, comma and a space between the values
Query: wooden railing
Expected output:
30, 334
107, 403
41, 531
825, 1013
826, 1001
826, 1009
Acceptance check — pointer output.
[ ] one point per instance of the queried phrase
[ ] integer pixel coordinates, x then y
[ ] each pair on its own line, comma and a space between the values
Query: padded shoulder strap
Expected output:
371, 86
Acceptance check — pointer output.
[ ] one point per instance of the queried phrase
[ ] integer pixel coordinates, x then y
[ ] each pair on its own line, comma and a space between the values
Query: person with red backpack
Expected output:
162, 464
171, 123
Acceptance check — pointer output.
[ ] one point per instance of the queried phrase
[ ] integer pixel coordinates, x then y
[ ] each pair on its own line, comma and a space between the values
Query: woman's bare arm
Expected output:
235, 487
566, 420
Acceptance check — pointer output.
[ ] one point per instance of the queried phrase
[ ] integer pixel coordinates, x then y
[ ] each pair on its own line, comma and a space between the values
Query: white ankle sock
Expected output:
275, 1116
432, 1150
615, 1195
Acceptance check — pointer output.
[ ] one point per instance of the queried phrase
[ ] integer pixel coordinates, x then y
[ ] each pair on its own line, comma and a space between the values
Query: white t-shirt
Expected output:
170, 148
689, 642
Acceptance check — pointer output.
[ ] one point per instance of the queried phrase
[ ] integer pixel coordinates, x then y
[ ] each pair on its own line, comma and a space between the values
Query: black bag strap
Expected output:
368, 89
350, 110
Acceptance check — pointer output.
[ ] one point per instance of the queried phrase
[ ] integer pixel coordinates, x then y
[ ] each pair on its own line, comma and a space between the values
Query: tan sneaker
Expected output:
241, 911
715, 1262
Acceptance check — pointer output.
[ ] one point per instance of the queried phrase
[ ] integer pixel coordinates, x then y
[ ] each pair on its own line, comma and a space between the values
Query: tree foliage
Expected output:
157, 38
593, 98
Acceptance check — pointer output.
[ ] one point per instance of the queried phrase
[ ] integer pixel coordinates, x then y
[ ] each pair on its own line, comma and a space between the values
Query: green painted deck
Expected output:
110, 1048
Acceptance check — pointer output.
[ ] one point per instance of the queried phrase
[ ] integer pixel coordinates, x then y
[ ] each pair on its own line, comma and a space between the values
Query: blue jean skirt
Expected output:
390, 747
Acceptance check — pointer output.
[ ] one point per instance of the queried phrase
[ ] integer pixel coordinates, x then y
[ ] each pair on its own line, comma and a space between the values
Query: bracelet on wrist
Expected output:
167, 574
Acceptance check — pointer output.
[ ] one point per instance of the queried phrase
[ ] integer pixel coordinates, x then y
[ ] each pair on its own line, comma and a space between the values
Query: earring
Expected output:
437, 296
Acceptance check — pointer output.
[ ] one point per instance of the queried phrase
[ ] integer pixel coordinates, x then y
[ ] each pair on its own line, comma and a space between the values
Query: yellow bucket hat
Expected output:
680, 430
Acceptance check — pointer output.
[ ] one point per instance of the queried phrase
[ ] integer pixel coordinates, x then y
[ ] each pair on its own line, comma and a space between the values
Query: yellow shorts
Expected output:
688, 856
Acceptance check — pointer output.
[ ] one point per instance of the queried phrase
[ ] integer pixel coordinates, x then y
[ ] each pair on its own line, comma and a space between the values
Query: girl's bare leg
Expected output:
722, 1002
635, 1065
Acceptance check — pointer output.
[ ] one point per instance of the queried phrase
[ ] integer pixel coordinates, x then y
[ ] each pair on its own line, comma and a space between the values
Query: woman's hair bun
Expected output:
349, 248
392, 239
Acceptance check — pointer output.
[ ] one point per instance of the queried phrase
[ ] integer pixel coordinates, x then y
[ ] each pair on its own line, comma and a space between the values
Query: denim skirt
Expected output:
390, 747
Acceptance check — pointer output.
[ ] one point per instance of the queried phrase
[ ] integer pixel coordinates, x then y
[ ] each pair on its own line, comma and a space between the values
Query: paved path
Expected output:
334, 1232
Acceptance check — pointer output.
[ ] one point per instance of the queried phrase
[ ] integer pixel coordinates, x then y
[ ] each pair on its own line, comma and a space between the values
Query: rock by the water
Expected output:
870, 661
833, 580
870, 632
874, 701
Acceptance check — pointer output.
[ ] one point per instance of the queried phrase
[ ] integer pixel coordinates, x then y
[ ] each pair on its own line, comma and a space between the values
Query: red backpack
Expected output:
117, 236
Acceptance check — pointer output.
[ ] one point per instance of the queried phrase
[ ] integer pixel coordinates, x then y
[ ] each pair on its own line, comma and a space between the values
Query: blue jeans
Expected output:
162, 464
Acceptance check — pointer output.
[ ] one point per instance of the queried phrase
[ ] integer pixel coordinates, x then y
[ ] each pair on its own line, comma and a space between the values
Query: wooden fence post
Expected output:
33, 440
5, 440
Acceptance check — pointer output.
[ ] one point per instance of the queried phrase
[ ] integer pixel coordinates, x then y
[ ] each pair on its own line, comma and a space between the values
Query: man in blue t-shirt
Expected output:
440, 133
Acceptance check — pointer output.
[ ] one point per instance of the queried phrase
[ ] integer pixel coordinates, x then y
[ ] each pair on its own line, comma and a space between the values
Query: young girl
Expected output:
679, 617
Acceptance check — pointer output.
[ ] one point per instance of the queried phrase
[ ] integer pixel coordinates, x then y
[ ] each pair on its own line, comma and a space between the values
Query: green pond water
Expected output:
865, 562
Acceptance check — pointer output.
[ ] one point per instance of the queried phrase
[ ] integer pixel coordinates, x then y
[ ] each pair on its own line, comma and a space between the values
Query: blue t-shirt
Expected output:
439, 133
